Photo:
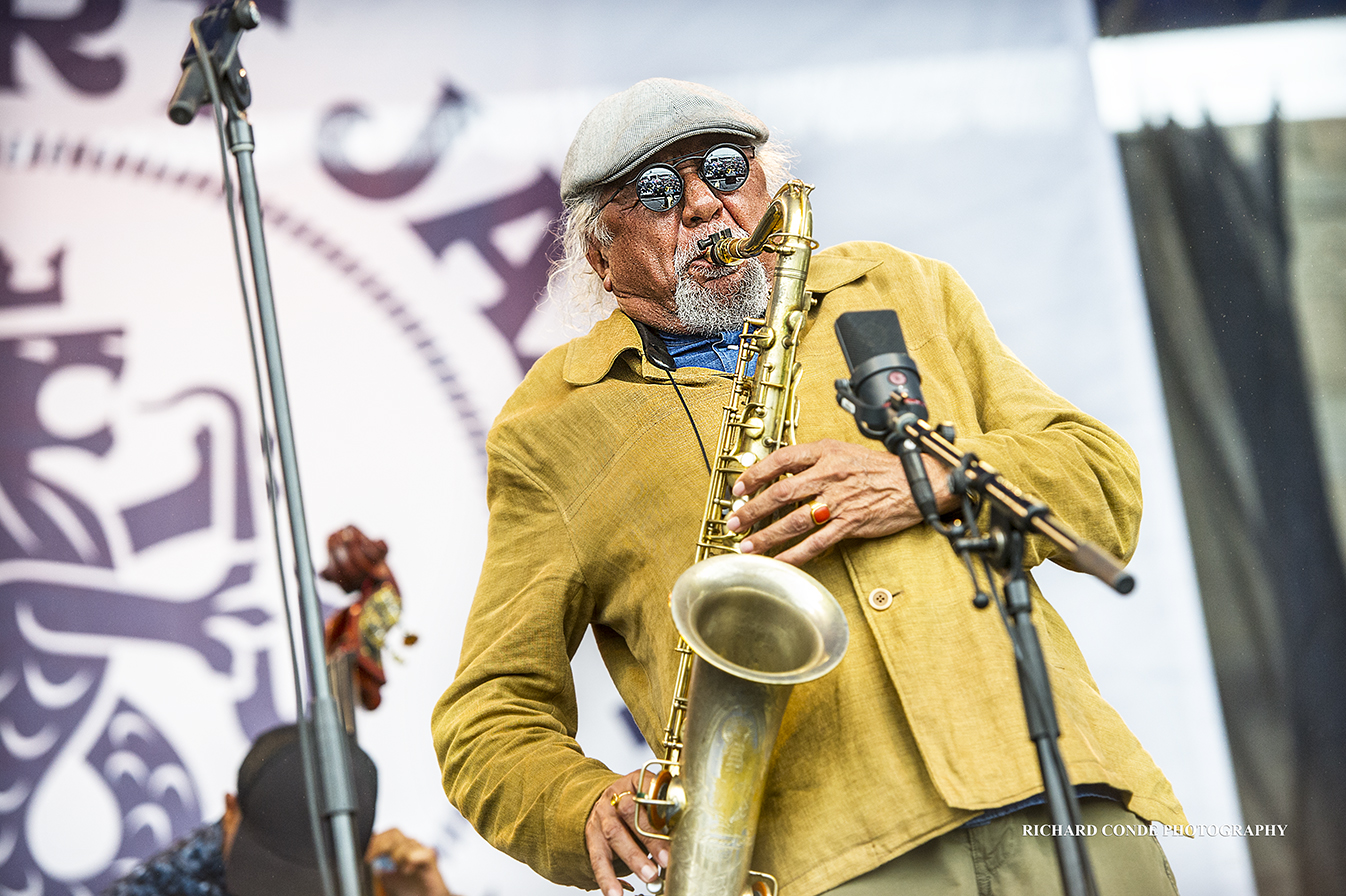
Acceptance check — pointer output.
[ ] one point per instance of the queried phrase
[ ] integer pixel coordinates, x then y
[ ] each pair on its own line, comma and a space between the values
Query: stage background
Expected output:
407, 156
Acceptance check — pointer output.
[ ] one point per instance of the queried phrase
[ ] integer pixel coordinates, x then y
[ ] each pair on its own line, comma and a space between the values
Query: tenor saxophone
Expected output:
751, 627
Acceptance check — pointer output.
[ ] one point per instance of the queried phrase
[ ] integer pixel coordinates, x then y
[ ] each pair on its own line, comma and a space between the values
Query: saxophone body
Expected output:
752, 627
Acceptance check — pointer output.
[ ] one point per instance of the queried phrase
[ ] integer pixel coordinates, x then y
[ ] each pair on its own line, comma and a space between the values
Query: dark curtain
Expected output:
1116, 17
1214, 252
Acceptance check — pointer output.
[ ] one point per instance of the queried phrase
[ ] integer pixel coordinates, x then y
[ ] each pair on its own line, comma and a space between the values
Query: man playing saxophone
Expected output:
906, 769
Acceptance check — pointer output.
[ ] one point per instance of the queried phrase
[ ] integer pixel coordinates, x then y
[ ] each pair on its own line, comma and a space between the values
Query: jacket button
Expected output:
880, 598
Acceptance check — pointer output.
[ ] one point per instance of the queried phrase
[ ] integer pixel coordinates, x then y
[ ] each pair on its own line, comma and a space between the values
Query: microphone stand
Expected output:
900, 425
227, 88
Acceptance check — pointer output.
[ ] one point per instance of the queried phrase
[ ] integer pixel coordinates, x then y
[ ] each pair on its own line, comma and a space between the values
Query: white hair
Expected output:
573, 287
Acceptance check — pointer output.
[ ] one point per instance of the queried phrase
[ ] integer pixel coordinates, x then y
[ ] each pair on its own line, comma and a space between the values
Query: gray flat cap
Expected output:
628, 127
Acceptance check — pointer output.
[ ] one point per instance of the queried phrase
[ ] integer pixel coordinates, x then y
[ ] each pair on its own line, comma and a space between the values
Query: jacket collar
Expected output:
590, 357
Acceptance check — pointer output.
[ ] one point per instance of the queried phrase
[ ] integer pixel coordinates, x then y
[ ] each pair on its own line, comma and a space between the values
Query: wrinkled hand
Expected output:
416, 871
865, 490
611, 831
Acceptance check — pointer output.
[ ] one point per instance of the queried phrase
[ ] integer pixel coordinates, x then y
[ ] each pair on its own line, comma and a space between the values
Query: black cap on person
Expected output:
273, 850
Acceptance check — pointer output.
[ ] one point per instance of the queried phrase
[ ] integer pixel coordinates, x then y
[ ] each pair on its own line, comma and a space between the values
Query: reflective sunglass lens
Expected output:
659, 188
725, 168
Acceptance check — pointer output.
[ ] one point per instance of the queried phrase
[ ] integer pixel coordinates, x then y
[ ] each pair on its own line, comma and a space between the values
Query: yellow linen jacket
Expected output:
596, 488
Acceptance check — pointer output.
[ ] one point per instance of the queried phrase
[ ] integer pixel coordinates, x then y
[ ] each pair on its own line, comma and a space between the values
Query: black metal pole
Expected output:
1014, 514
200, 83
212, 71
1035, 687
334, 761
1021, 511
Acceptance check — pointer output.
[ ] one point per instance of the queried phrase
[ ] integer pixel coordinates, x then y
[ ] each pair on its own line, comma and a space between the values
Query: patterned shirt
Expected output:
192, 867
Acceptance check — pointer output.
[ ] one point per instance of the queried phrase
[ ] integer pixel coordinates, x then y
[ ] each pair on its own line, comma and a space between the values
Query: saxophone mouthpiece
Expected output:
711, 247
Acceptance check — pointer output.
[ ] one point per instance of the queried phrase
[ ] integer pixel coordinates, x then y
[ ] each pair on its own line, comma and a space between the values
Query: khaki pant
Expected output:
1000, 859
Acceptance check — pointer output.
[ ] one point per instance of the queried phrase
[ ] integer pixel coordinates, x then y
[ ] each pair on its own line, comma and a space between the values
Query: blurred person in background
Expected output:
263, 846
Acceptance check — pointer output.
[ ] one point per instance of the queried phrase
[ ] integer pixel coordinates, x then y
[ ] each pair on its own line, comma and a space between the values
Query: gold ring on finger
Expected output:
819, 513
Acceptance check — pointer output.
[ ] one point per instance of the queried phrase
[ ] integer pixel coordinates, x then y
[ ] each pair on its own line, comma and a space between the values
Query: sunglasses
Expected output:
659, 187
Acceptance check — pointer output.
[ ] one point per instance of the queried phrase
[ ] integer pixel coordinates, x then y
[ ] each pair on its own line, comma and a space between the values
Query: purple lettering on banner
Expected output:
57, 39
257, 711
45, 695
42, 520
13, 298
65, 617
525, 283
154, 792
188, 509
446, 122
73, 609
185, 510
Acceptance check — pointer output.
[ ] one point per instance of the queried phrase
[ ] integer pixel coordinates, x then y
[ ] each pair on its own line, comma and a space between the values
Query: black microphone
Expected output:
876, 355
220, 28
885, 388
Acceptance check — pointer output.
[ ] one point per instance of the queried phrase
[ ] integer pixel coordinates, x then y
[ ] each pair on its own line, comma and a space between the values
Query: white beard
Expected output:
706, 311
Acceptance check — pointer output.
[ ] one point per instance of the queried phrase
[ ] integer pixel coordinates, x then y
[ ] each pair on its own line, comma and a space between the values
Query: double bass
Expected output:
356, 636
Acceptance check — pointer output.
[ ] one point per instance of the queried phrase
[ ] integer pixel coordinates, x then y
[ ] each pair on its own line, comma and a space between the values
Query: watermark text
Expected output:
1155, 829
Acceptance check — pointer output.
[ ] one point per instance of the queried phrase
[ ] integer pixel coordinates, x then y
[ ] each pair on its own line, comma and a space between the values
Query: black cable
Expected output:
657, 353
690, 419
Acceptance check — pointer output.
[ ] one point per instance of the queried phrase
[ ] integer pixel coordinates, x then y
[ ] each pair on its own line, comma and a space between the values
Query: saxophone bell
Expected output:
758, 627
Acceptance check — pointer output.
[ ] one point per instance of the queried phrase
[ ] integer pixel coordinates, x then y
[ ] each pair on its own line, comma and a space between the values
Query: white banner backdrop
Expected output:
407, 155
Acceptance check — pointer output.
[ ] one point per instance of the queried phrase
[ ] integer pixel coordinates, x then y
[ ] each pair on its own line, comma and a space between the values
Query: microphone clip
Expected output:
881, 422
888, 423
218, 29
872, 419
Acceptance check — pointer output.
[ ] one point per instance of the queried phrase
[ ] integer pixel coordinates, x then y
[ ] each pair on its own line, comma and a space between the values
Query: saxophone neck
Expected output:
788, 219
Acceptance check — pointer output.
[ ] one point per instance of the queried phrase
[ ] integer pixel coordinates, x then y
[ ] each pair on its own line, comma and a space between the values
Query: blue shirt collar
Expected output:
718, 352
